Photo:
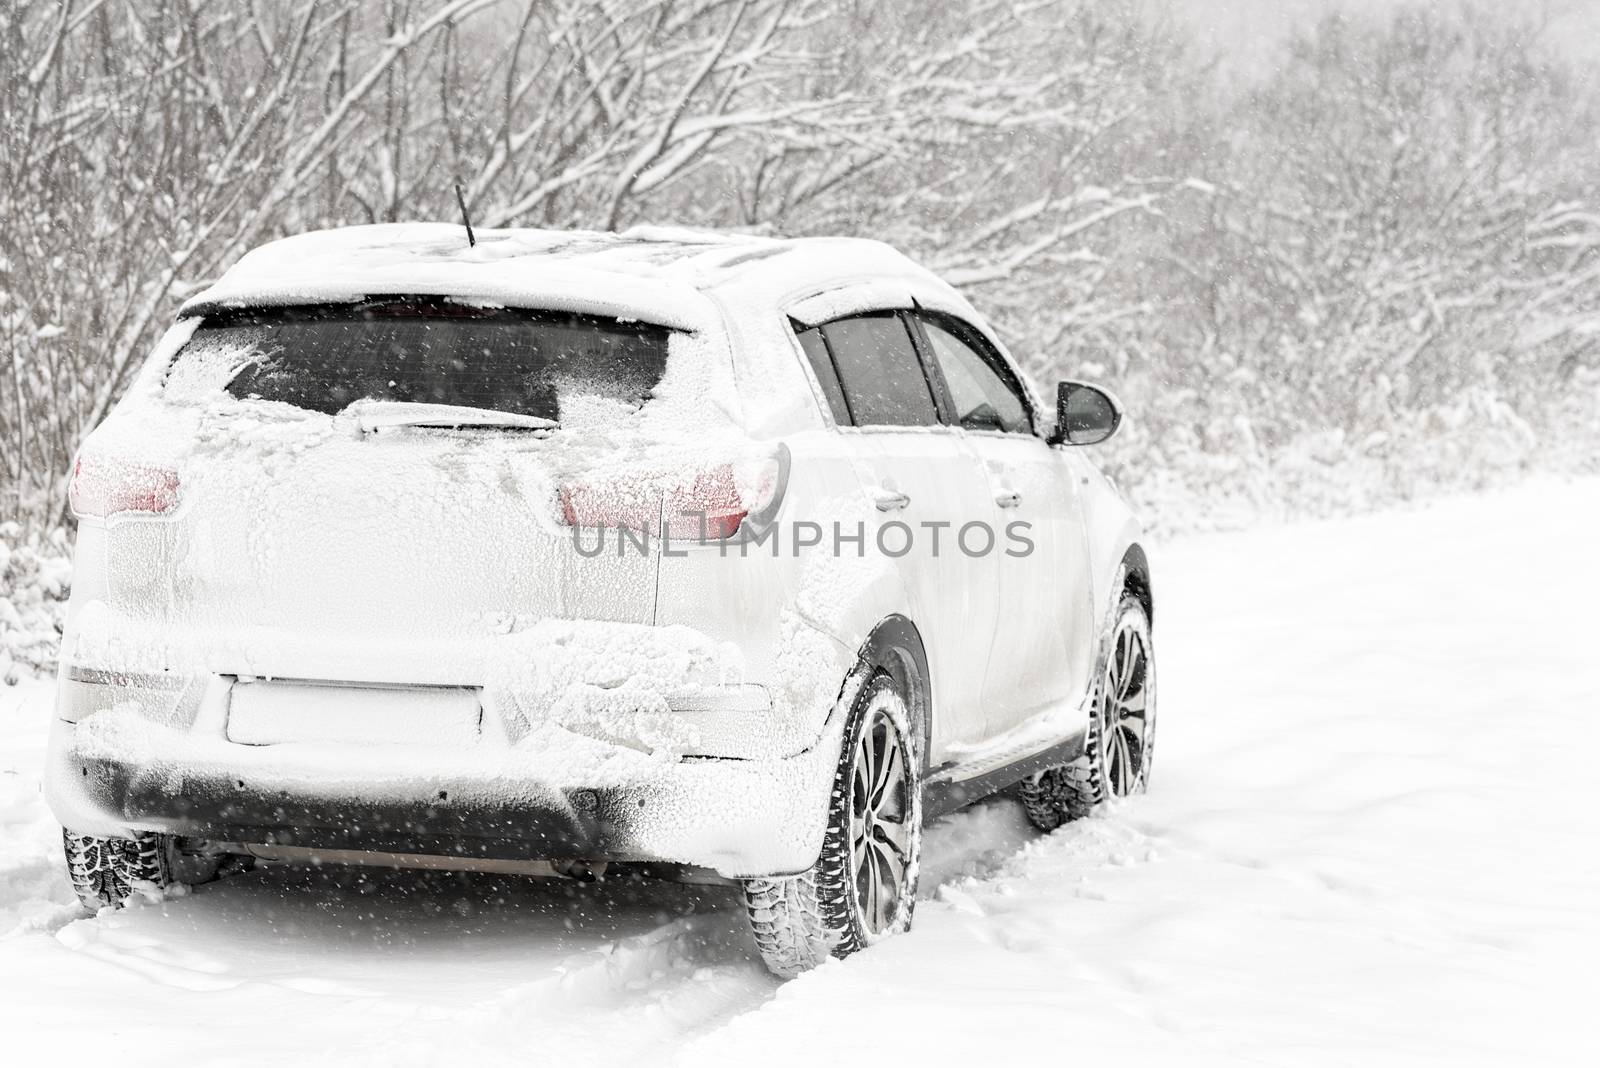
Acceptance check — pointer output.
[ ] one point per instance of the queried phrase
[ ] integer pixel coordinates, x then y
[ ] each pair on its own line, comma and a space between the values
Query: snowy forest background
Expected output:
1364, 274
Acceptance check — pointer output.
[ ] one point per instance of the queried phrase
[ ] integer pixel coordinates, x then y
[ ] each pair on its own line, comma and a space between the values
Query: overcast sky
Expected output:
1249, 29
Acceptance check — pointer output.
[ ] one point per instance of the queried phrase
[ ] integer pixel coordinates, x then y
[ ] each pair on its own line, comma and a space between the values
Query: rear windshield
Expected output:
325, 358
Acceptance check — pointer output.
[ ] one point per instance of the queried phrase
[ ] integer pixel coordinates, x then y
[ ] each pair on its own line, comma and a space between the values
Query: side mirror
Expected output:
1085, 414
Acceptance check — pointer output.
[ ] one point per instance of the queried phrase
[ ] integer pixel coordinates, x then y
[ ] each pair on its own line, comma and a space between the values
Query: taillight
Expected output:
103, 486
710, 503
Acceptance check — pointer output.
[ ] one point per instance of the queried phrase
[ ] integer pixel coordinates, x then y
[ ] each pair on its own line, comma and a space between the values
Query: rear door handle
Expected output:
889, 500
1008, 498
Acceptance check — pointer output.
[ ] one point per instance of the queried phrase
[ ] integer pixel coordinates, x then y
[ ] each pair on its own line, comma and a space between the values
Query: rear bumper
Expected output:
116, 773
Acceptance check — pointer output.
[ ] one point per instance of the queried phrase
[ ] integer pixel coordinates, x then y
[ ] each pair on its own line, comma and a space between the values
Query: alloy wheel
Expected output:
880, 824
1126, 712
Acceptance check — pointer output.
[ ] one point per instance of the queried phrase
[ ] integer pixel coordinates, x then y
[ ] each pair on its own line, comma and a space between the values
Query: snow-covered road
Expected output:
1372, 837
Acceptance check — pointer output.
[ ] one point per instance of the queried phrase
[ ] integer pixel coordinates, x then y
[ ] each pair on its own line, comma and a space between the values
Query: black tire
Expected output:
1115, 762
799, 921
105, 871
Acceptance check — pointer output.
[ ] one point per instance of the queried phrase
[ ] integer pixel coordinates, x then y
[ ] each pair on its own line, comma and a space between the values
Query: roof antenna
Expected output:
466, 219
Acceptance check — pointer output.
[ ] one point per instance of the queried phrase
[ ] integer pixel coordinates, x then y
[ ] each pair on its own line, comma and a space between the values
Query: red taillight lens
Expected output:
614, 503
710, 503
102, 487
710, 500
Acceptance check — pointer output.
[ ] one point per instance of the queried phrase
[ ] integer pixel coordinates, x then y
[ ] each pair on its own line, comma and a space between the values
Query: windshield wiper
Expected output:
375, 414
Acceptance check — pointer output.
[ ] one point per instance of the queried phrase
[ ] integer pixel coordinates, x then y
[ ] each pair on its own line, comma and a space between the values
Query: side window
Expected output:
883, 380
827, 375
984, 394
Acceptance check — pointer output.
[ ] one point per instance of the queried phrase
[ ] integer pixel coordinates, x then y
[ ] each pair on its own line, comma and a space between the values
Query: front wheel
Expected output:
1119, 745
863, 886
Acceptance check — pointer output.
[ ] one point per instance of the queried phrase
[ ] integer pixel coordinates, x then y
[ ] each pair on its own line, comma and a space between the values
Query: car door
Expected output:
926, 483
1043, 638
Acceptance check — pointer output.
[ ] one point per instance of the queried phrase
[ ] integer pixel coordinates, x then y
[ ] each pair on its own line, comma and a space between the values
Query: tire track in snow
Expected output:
400, 967
431, 968
385, 960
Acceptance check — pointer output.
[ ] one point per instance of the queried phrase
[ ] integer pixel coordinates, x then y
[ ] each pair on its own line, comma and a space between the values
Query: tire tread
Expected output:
1073, 790
801, 920
104, 872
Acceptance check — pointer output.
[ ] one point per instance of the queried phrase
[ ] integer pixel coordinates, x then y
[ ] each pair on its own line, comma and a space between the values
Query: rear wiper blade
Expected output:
374, 414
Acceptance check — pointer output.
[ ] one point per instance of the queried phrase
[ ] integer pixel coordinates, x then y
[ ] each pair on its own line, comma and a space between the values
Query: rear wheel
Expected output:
863, 886
106, 871
1119, 746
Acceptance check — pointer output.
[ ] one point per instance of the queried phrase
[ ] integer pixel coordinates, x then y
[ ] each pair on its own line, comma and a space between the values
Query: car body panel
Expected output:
954, 599
1044, 664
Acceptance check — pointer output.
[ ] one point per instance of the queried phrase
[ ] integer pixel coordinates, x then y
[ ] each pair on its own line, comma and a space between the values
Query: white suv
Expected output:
729, 557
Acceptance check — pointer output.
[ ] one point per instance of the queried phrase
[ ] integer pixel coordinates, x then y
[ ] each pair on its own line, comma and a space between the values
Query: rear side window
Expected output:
326, 358
827, 375
882, 377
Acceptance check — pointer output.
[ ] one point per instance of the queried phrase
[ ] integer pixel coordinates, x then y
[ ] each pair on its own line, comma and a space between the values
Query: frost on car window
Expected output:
210, 360
816, 351
327, 357
882, 377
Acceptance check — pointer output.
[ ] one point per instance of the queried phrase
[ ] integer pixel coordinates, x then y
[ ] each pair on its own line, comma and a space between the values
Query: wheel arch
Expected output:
895, 645
1136, 579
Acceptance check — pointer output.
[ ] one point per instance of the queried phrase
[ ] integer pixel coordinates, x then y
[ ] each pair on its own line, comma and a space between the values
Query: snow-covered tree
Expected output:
1392, 236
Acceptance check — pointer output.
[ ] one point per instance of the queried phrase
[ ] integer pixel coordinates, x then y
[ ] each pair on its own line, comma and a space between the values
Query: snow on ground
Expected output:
1371, 838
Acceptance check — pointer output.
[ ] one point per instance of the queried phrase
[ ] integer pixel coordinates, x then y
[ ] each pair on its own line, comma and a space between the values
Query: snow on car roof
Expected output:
660, 275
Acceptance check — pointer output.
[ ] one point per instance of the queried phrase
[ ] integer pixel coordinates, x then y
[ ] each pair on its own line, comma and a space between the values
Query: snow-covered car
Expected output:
728, 557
